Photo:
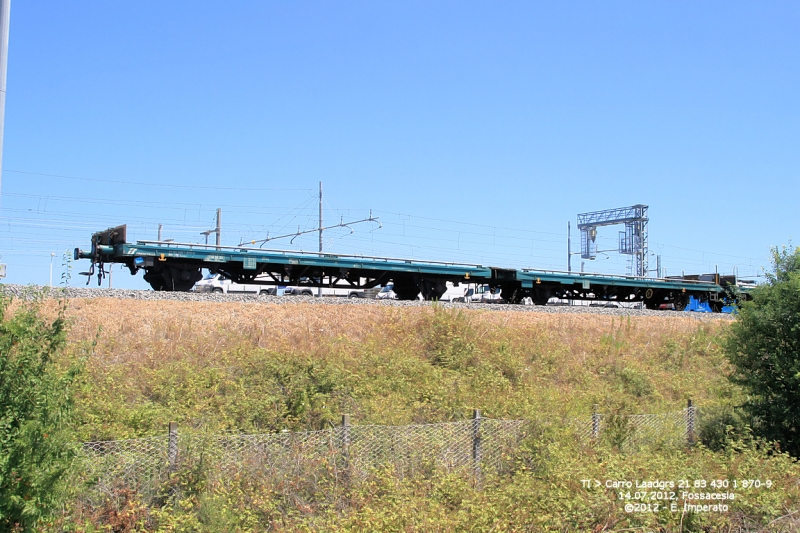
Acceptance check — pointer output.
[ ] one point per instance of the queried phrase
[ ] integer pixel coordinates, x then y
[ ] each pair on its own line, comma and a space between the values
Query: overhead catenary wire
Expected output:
295, 212
67, 220
341, 224
146, 184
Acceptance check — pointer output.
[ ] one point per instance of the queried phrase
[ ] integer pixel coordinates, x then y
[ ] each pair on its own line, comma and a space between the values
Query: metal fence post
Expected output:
690, 423
595, 422
172, 447
477, 451
346, 444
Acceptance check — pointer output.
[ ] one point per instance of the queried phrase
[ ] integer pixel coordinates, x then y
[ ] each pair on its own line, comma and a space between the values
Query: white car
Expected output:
386, 292
466, 292
475, 293
218, 284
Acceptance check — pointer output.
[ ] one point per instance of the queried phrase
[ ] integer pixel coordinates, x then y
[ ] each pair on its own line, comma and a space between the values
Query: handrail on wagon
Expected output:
295, 252
615, 276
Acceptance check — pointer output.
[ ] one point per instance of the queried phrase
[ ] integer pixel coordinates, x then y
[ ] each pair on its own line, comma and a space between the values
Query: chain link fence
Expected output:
332, 456
630, 432
138, 464
304, 462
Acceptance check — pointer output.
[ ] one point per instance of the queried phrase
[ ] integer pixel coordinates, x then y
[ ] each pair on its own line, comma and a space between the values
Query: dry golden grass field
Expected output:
263, 368
209, 363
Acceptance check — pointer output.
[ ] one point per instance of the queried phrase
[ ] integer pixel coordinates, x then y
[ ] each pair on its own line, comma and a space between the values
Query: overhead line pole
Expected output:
569, 250
319, 289
569, 247
217, 230
219, 226
5, 13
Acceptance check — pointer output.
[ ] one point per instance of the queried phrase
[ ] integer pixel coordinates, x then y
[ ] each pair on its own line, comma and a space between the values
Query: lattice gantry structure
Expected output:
632, 241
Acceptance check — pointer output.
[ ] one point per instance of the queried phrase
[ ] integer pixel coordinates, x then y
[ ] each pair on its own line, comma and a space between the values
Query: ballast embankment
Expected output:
31, 291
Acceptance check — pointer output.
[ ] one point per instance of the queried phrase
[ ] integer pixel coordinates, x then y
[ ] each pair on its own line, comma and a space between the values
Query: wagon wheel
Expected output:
681, 301
433, 289
405, 288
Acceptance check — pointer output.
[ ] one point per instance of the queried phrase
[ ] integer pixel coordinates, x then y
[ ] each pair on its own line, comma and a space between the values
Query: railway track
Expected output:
32, 291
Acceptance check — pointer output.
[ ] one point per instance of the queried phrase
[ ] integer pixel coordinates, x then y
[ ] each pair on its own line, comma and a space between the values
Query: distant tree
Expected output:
36, 441
764, 347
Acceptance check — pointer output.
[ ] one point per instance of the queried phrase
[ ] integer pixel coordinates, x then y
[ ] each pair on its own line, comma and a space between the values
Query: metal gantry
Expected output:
632, 241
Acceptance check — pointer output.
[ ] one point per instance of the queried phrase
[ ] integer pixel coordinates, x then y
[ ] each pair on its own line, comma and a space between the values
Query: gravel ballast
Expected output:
30, 291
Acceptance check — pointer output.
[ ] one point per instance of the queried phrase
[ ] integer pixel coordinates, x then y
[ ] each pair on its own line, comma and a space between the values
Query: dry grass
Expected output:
261, 367
147, 326
200, 362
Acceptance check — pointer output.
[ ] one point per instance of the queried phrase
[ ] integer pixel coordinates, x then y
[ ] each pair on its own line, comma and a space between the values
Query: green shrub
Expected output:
719, 426
450, 339
764, 348
36, 440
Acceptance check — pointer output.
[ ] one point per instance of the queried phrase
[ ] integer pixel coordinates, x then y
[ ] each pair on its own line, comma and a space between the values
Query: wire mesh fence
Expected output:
305, 461
633, 431
140, 464
336, 455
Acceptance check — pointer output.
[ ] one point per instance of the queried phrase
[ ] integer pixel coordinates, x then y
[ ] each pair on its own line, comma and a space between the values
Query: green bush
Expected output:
720, 426
36, 440
764, 348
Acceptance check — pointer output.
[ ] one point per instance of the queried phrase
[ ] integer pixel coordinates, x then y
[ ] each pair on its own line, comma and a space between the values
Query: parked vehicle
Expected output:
308, 287
464, 292
387, 292
216, 283
479, 293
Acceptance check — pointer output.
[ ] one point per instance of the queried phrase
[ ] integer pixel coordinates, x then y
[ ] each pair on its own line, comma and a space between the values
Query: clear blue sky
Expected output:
474, 130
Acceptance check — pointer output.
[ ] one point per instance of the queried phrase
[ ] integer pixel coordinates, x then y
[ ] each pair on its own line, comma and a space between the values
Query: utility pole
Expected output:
206, 233
569, 246
218, 231
320, 217
159, 233
52, 255
319, 289
5, 13
569, 250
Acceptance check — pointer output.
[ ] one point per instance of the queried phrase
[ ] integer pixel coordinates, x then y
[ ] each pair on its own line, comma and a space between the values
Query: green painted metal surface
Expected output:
250, 257
107, 249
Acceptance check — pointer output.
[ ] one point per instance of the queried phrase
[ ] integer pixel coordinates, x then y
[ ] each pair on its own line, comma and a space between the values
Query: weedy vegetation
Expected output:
37, 437
254, 368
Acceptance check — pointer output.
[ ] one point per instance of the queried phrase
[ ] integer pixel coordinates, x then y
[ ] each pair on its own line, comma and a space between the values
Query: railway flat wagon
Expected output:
170, 266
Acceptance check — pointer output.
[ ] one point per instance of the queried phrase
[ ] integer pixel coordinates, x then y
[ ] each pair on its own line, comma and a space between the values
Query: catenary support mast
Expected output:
319, 290
632, 241
5, 12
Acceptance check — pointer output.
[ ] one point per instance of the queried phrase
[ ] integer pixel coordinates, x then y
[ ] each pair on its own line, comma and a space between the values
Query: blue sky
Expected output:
474, 131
